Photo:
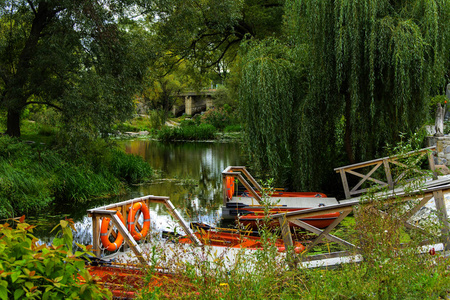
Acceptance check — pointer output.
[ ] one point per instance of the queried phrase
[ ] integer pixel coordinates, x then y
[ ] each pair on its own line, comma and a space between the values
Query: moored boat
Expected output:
254, 220
218, 238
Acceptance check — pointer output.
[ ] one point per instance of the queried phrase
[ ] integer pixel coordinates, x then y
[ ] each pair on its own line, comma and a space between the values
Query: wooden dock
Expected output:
435, 187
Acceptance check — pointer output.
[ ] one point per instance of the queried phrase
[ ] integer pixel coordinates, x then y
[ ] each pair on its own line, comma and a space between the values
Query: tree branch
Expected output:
44, 103
223, 53
32, 6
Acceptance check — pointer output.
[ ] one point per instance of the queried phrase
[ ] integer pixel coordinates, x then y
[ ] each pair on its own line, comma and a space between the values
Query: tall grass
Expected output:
32, 177
129, 168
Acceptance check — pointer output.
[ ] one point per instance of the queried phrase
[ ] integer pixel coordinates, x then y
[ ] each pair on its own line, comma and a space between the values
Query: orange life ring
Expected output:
110, 246
139, 206
230, 187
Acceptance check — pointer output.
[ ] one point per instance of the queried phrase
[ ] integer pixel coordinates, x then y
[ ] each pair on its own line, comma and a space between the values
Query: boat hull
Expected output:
236, 240
252, 218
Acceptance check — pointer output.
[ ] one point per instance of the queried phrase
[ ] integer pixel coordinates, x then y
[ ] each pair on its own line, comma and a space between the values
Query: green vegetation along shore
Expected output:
35, 176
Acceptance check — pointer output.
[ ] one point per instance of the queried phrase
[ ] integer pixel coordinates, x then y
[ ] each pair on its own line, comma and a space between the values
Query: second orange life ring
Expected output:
104, 237
134, 209
230, 187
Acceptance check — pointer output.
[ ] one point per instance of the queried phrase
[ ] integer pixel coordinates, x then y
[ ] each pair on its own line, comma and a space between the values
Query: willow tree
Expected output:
269, 102
374, 63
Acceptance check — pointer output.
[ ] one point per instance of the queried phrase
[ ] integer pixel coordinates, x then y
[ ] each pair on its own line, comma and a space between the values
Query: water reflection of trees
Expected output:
191, 178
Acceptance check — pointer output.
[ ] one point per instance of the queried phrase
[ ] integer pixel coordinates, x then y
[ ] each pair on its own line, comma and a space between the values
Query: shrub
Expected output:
187, 133
23, 188
187, 122
32, 271
80, 183
47, 130
32, 178
217, 117
233, 128
130, 168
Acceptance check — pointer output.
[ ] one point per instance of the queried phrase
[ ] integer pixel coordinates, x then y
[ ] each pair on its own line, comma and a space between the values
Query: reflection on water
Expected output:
192, 173
191, 177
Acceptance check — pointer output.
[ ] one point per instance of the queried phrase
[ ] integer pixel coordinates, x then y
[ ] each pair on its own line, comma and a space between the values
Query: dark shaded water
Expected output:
190, 176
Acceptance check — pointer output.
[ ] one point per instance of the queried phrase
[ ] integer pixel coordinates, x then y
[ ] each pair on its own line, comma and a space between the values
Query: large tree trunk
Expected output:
18, 89
13, 123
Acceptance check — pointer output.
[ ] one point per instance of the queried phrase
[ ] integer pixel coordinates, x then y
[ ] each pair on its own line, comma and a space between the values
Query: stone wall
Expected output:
442, 155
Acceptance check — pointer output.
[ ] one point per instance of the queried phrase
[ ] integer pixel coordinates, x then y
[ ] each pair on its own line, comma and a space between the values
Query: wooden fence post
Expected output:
442, 214
345, 183
288, 244
387, 171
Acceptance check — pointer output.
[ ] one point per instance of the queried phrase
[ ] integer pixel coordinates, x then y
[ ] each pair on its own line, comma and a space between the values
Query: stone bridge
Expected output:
194, 102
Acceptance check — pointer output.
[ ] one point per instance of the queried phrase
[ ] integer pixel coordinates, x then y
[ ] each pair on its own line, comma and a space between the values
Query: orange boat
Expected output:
249, 215
283, 194
235, 240
254, 217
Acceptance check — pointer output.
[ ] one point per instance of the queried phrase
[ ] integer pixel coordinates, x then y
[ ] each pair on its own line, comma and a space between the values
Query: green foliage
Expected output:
217, 117
432, 106
375, 71
80, 183
188, 122
215, 29
129, 168
34, 177
187, 133
32, 271
70, 56
270, 93
232, 128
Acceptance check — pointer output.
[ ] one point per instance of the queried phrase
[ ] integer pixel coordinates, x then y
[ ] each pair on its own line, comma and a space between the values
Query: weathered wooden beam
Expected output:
182, 223
128, 239
224, 190
371, 162
364, 178
345, 183
248, 175
244, 182
112, 214
311, 212
416, 208
288, 244
432, 165
96, 235
387, 171
361, 175
325, 233
156, 199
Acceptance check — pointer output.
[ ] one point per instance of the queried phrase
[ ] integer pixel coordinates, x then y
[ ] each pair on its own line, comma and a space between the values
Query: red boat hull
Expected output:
256, 216
235, 240
293, 194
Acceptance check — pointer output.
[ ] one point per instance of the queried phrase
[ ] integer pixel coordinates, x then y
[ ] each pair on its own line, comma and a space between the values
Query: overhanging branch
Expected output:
44, 103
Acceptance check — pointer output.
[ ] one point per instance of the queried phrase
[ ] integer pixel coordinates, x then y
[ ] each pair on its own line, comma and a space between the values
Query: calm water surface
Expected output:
190, 174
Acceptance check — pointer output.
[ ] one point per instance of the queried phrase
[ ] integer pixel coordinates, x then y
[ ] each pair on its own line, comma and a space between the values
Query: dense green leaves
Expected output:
371, 67
70, 55
32, 179
33, 271
210, 32
270, 93
375, 61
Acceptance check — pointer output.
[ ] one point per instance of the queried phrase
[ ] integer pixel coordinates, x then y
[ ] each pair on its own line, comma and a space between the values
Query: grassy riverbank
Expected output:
36, 176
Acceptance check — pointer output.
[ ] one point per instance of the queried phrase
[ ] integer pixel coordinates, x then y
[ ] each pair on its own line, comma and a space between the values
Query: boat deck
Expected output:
229, 211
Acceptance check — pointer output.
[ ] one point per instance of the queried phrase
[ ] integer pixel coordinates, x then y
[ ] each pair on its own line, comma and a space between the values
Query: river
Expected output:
188, 173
